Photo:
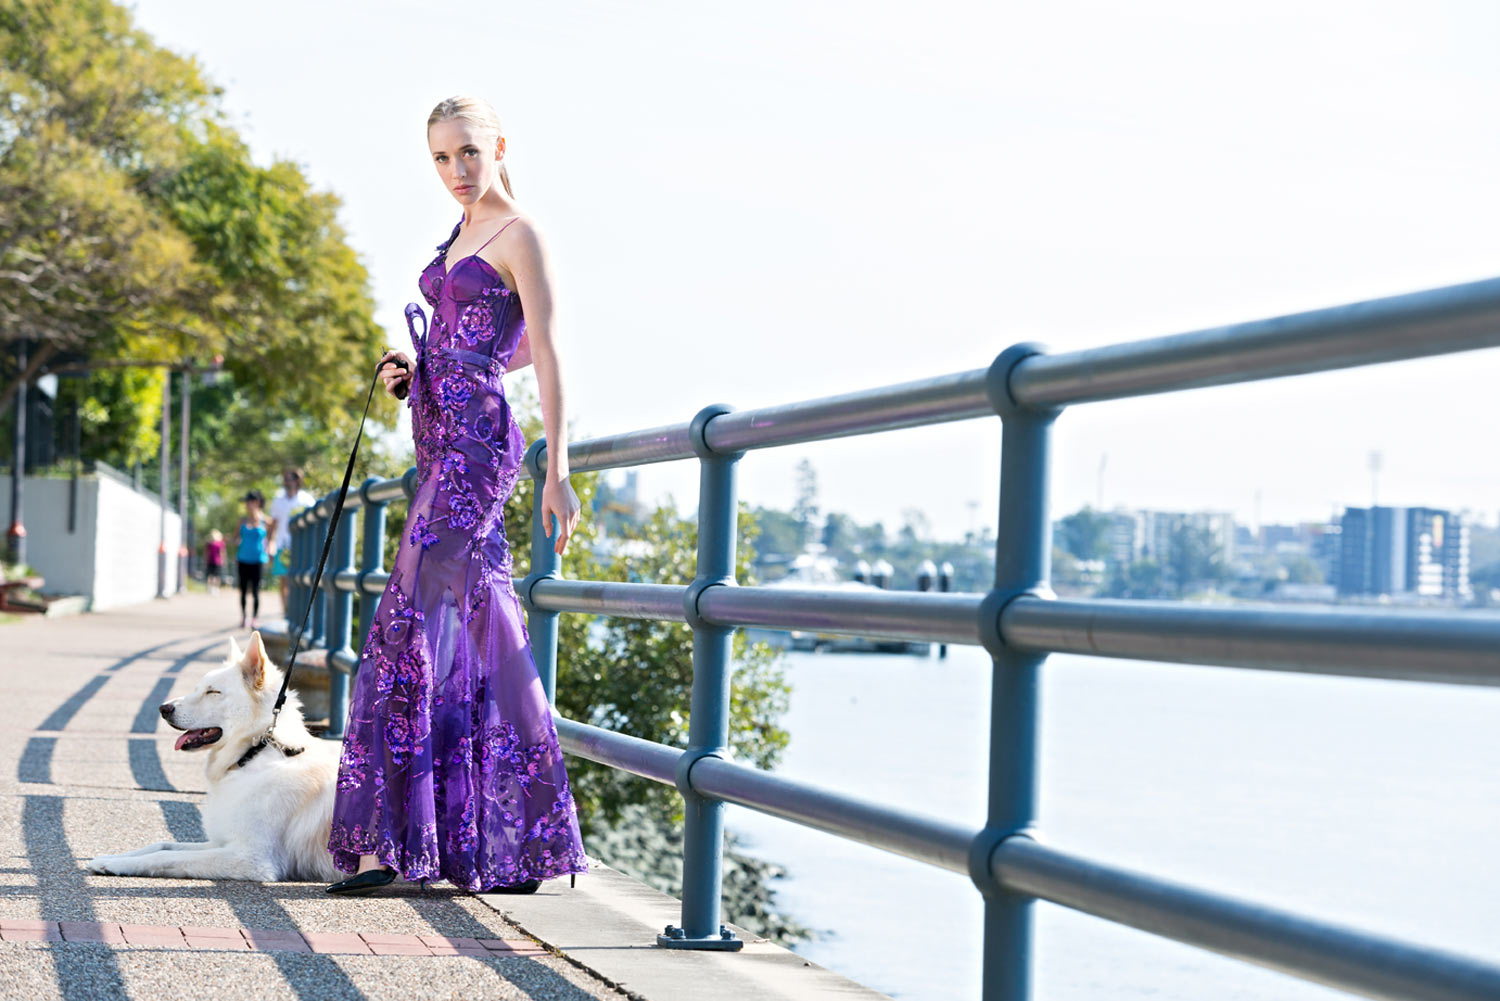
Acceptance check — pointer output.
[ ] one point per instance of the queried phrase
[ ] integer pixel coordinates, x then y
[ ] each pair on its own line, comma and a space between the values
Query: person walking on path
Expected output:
451, 767
250, 551
292, 499
213, 561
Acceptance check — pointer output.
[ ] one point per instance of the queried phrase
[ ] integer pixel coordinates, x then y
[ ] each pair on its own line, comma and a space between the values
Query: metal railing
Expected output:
1018, 621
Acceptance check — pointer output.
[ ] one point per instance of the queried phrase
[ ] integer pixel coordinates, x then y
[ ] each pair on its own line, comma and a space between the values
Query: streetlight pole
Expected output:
15, 537
182, 486
166, 431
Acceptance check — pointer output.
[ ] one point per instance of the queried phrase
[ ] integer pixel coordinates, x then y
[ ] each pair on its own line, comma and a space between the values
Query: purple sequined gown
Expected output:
451, 767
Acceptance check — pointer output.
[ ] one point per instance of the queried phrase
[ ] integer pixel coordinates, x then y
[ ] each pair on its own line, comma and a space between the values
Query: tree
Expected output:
914, 526
1193, 554
780, 532
1302, 569
137, 233
1087, 534
1141, 579
92, 108
840, 533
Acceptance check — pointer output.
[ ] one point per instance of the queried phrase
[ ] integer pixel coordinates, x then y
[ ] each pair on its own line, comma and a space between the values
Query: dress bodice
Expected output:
457, 398
472, 309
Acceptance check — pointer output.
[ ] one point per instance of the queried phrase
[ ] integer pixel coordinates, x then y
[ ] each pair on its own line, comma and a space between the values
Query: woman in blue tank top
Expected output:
251, 554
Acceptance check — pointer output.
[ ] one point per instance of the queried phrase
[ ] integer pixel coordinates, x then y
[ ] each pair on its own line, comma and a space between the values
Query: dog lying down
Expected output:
268, 811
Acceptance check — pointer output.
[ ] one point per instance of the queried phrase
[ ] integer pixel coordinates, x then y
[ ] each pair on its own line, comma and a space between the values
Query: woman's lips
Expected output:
464, 187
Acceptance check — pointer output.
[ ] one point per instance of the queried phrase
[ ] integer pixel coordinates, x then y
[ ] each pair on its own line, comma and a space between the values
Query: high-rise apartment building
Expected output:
1397, 550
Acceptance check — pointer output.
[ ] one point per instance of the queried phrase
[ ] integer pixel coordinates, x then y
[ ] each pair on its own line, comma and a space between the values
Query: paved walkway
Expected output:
86, 770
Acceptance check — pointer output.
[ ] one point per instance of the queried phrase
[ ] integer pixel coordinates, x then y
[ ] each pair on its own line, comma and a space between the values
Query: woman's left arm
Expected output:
527, 259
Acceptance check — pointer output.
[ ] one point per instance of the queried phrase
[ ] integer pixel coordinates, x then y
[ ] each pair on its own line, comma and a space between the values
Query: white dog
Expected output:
267, 815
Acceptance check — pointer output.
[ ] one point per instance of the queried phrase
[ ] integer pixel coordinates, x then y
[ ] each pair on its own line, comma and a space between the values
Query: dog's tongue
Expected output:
187, 735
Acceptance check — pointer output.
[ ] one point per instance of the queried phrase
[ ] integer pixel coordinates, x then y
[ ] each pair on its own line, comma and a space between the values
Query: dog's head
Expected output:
233, 700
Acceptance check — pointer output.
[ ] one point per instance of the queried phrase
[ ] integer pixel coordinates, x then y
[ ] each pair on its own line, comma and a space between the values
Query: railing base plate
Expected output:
677, 938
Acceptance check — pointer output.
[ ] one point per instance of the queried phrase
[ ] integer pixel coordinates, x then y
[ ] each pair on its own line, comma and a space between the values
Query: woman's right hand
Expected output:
393, 376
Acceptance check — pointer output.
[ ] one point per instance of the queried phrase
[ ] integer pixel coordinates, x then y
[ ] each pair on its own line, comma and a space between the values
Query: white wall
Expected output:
66, 560
111, 557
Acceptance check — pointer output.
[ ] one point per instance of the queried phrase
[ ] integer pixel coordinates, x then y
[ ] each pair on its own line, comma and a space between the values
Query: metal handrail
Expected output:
1019, 621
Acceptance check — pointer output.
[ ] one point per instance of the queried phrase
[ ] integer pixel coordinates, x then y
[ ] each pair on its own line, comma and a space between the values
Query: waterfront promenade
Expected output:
88, 770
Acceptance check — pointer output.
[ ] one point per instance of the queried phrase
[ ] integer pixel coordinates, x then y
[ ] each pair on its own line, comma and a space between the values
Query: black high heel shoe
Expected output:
530, 886
366, 882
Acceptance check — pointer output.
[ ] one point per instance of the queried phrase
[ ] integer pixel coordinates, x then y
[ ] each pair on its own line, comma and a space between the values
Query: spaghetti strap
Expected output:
497, 233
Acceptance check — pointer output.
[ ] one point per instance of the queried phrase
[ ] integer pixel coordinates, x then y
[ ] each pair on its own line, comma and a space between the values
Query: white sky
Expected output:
762, 203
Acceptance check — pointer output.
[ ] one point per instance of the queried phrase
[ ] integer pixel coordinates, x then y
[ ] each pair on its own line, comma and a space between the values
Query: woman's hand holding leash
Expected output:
396, 368
395, 371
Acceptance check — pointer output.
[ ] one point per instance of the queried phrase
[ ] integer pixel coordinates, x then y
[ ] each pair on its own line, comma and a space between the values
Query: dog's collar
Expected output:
260, 745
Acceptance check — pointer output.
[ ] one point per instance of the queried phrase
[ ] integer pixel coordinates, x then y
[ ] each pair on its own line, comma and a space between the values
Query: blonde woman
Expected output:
451, 767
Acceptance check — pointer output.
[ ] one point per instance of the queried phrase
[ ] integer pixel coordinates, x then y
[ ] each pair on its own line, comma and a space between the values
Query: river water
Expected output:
1370, 803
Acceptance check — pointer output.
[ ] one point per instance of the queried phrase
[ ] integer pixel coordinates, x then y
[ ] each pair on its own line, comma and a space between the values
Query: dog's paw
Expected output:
112, 865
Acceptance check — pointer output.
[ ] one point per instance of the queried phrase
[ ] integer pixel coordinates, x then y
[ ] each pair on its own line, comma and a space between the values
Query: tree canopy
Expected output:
138, 234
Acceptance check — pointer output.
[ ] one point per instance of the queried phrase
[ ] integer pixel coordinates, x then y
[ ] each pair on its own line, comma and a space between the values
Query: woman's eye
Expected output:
213, 691
441, 159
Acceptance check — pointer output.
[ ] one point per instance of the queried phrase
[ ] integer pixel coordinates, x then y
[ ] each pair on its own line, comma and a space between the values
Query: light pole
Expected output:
182, 480
15, 537
166, 430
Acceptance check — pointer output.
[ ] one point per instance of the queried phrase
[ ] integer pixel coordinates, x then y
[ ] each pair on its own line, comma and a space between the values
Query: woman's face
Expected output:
252, 509
465, 158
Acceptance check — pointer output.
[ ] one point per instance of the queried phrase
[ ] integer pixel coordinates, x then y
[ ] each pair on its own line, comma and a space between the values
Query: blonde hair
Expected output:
478, 113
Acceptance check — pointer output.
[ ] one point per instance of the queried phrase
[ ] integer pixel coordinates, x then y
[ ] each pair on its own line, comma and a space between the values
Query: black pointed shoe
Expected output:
366, 882
530, 886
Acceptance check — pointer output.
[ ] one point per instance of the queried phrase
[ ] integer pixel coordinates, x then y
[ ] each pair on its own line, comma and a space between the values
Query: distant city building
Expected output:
1272, 536
1147, 535
1404, 551
1323, 546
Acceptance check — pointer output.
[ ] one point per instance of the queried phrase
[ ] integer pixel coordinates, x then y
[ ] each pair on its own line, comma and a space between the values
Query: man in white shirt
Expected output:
284, 506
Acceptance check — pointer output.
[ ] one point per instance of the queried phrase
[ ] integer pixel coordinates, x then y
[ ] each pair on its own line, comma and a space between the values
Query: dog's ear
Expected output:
234, 651
253, 663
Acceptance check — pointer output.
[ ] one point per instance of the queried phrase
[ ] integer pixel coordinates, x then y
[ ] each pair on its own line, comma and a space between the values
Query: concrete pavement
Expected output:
87, 770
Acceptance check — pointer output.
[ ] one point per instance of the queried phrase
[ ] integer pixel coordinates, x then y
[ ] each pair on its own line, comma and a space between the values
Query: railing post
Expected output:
320, 596
1023, 557
340, 622
541, 625
708, 726
297, 591
371, 559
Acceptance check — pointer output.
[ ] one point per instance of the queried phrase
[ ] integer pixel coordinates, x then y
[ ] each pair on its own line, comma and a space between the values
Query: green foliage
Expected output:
1086, 534
635, 676
92, 105
135, 231
119, 413
1303, 570
839, 532
1193, 555
1141, 579
781, 532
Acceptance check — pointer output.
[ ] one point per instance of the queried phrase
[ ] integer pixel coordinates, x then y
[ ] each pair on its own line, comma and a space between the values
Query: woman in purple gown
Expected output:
451, 767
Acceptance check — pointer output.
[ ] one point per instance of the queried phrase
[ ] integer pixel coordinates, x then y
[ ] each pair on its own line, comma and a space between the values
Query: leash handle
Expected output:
418, 341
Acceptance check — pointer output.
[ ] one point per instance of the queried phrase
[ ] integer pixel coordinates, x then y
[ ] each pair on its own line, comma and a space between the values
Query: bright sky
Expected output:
760, 203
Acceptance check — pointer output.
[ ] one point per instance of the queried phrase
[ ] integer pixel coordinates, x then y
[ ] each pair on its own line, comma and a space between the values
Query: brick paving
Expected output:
263, 939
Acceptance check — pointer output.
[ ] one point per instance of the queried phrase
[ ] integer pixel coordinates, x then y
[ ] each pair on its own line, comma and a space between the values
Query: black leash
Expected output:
333, 525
